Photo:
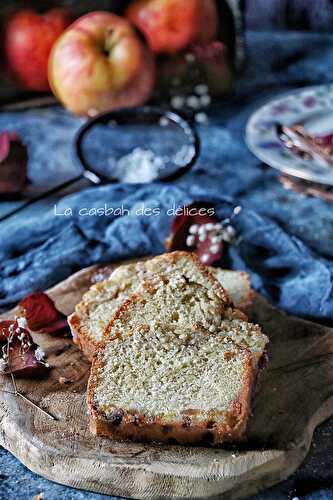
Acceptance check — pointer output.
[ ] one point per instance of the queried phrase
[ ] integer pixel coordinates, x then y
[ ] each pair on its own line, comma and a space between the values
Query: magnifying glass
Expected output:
135, 145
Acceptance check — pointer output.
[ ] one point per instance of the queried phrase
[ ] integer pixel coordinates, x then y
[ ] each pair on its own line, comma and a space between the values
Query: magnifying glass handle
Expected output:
90, 176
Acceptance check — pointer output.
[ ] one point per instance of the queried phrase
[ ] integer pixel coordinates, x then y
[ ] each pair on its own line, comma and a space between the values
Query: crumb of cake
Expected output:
63, 380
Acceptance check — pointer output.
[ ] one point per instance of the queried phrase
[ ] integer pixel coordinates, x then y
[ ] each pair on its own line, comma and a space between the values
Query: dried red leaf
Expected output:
57, 326
182, 222
18, 352
24, 364
13, 164
41, 314
5, 140
204, 242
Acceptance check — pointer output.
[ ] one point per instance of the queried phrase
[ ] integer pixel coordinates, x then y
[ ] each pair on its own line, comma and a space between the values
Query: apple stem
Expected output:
110, 42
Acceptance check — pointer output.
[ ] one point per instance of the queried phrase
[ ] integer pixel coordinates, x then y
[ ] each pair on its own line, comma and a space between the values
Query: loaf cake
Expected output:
99, 304
174, 366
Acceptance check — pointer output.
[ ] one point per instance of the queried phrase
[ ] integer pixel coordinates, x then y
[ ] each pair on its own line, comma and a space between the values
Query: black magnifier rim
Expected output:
121, 117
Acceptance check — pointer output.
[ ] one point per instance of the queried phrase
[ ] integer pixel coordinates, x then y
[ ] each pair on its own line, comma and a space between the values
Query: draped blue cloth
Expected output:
290, 14
286, 238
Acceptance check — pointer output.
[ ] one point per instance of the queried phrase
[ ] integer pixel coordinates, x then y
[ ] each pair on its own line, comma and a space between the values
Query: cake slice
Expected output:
170, 369
237, 285
99, 304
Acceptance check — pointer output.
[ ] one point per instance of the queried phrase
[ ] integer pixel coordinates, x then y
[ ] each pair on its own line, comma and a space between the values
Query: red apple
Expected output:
101, 64
172, 25
28, 41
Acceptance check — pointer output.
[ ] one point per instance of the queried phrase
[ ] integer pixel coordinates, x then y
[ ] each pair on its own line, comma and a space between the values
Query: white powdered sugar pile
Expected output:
138, 166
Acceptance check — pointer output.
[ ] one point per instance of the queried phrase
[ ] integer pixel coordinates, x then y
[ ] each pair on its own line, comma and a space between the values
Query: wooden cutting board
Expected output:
297, 394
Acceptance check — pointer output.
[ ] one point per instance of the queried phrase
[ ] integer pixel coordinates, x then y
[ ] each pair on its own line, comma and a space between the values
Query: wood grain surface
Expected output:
296, 395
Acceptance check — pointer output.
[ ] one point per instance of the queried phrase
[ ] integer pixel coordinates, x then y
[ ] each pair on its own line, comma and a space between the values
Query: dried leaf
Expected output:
5, 138
41, 314
24, 364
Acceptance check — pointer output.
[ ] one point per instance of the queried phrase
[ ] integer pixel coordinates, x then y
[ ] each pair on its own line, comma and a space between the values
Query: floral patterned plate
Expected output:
311, 107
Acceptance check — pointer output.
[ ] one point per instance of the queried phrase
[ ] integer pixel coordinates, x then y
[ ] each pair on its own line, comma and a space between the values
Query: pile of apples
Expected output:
102, 61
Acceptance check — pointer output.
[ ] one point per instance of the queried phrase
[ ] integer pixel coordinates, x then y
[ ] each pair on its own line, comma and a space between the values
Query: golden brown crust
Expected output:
247, 303
191, 430
80, 338
121, 311
260, 373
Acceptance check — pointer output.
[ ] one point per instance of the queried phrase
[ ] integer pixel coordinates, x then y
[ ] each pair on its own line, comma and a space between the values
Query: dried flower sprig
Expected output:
18, 346
197, 230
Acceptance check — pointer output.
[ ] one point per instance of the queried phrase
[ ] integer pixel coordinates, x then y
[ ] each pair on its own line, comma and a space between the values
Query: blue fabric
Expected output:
290, 14
286, 238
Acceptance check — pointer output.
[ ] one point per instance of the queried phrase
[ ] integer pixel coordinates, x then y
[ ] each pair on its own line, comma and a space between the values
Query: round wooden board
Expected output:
297, 394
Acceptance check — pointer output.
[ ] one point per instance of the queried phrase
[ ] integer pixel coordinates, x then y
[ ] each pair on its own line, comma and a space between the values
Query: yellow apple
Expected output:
99, 64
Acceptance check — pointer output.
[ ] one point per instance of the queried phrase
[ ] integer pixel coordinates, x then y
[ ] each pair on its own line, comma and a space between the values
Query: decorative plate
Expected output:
310, 107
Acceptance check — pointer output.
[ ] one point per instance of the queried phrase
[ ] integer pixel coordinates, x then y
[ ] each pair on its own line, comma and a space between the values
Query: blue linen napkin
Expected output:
287, 239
